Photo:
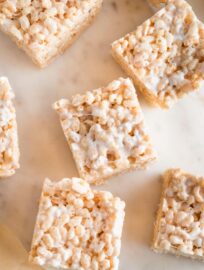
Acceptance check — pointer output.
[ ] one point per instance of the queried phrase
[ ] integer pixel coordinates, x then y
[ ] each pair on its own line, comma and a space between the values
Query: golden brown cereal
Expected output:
179, 228
45, 28
165, 55
105, 131
157, 4
77, 227
9, 150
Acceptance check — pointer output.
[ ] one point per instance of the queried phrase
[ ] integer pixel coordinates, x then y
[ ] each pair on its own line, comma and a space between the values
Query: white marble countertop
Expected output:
177, 134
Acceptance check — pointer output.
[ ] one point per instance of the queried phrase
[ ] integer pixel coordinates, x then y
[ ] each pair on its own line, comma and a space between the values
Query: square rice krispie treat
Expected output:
105, 131
45, 28
179, 228
157, 4
9, 150
165, 55
77, 228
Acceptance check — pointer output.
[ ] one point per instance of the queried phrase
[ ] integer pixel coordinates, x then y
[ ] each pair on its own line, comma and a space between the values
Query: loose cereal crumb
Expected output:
165, 55
45, 28
179, 227
157, 4
77, 227
105, 131
9, 150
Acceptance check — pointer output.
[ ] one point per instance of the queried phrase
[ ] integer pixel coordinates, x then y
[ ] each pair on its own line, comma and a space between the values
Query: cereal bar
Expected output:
45, 28
77, 227
105, 131
179, 228
9, 150
165, 55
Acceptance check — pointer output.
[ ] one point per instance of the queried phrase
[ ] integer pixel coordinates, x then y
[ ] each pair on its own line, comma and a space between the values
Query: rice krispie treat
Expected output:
165, 55
9, 150
45, 28
105, 131
179, 228
157, 4
77, 227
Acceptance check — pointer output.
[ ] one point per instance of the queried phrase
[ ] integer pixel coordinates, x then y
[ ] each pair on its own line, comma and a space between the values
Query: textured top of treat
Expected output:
105, 130
181, 224
166, 52
77, 228
9, 154
42, 25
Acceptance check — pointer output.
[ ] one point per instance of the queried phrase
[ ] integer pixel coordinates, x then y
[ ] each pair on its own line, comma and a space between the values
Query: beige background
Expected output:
177, 134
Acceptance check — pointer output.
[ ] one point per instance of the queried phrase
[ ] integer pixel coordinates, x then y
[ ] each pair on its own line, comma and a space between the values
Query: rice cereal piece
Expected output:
44, 29
165, 55
77, 227
157, 4
9, 150
179, 227
105, 131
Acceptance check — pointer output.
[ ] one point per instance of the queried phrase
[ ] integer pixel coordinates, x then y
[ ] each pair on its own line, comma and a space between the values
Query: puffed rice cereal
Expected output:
77, 228
165, 55
9, 150
157, 4
179, 228
45, 28
105, 131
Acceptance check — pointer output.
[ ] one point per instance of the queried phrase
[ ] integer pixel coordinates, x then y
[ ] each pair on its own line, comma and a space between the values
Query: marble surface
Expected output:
177, 134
